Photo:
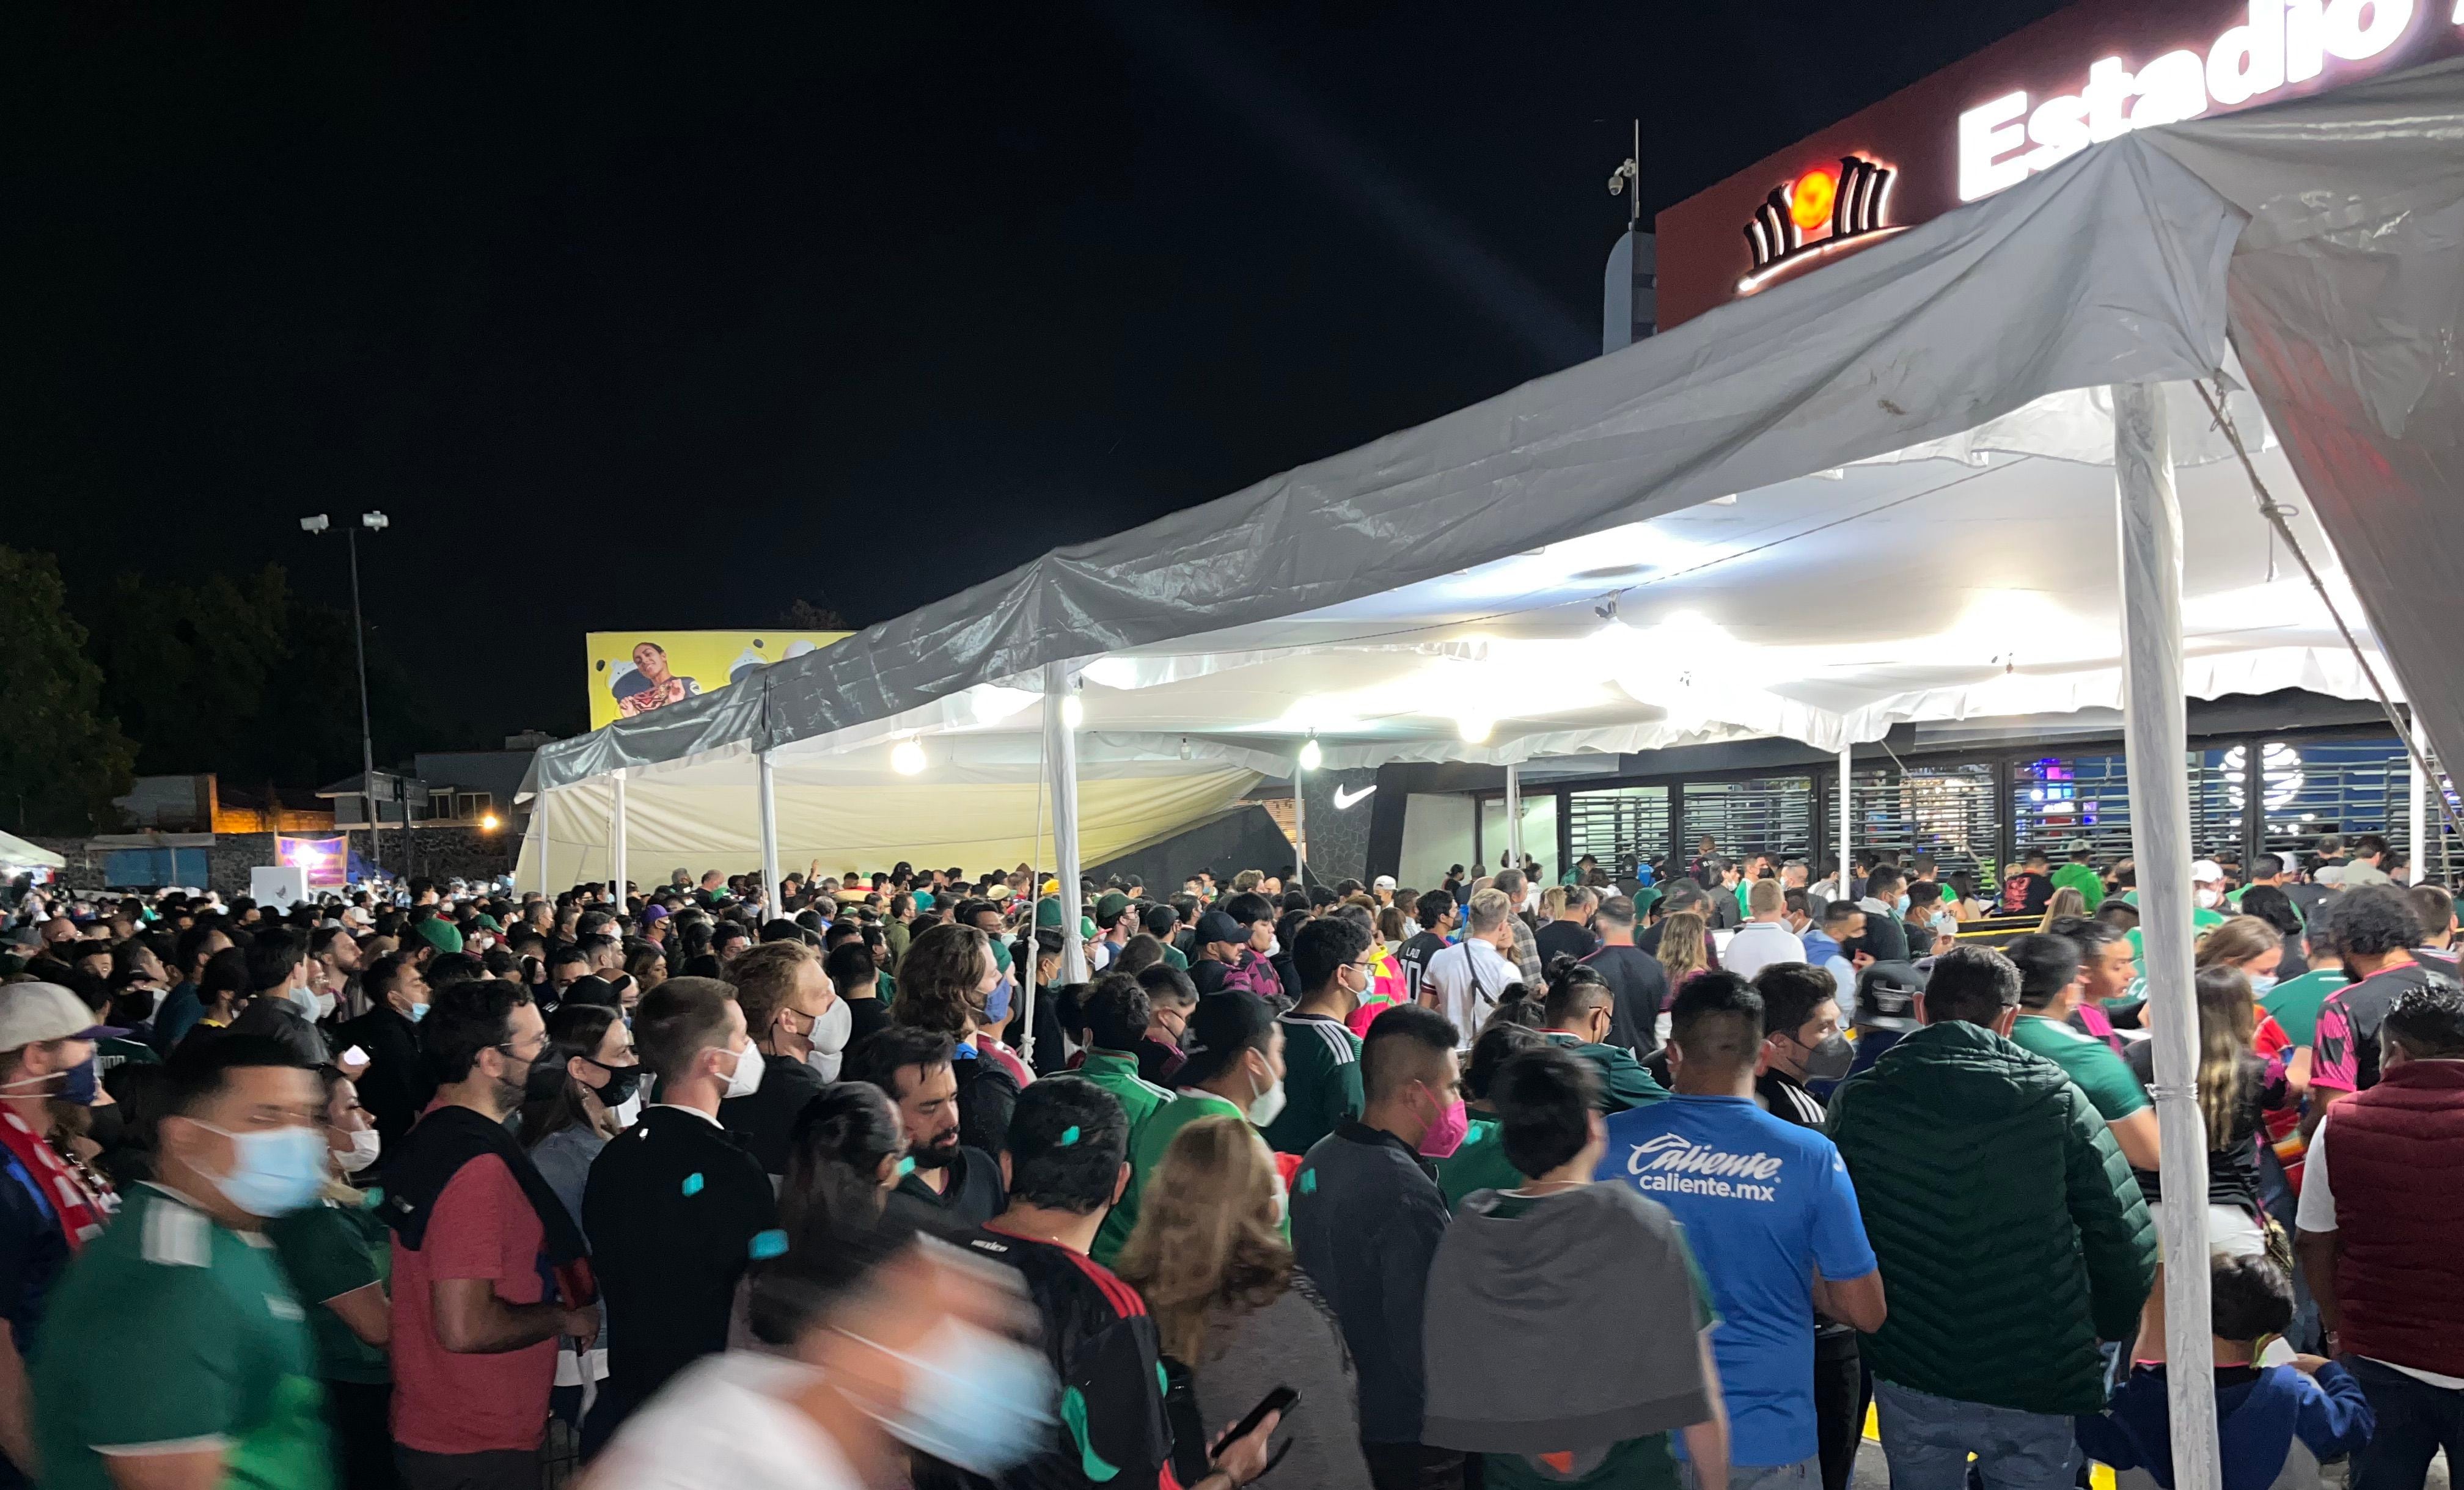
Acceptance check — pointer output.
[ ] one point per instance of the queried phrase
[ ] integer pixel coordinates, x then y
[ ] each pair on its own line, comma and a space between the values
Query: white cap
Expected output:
34, 1013
1385, 882
2206, 872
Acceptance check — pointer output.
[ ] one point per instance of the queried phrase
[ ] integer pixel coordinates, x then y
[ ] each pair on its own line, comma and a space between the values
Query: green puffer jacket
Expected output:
2011, 1233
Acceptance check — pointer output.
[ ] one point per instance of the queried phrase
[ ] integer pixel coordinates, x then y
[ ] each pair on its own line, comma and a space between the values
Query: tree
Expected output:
805, 616
61, 759
247, 679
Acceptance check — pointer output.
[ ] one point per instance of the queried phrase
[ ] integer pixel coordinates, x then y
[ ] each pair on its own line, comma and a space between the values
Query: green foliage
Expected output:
245, 678
62, 758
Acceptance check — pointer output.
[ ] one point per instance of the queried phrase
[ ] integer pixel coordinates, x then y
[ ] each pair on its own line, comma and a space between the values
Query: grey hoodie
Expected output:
1598, 1275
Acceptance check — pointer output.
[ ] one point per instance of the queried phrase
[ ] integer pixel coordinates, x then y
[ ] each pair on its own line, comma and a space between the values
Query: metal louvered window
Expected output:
1772, 815
1944, 811
2309, 790
2056, 798
1621, 828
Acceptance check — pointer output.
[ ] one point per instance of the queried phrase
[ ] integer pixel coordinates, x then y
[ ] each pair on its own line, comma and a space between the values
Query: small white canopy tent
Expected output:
17, 854
2326, 234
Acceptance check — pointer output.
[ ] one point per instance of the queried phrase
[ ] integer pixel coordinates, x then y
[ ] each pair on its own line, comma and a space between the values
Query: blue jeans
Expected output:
2415, 1421
1926, 1441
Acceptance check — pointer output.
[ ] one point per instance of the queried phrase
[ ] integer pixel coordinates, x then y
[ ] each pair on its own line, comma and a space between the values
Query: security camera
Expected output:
316, 524
375, 523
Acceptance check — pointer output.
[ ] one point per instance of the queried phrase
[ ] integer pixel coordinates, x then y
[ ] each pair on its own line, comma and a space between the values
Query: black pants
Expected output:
495, 1469
2415, 1421
1413, 1466
1841, 1392
359, 1416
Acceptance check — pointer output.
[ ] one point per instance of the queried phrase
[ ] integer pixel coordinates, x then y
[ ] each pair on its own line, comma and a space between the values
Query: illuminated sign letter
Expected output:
1989, 137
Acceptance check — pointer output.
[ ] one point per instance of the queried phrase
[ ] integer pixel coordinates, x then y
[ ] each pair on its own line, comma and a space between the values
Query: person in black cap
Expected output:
1217, 951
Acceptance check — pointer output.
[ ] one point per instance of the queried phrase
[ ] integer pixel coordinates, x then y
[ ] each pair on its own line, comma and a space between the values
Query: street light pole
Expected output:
374, 522
367, 738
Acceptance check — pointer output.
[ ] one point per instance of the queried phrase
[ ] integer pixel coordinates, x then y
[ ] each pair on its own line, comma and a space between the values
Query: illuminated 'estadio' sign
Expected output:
1815, 213
2001, 142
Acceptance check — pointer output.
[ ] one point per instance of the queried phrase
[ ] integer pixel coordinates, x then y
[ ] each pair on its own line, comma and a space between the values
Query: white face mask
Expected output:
365, 1144
2207, 898
626, 1112
1264, 1107
746, 1078
832, 1031
325, 1006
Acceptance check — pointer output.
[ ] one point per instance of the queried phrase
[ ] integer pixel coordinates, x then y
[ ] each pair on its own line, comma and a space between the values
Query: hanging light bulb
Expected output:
906, 758
1475, 729
1310, 754
1073, 714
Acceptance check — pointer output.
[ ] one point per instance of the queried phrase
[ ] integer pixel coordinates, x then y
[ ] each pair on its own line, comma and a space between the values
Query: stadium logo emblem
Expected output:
1818, 212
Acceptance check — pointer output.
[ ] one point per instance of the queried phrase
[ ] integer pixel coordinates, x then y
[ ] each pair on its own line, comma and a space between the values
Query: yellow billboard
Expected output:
632, 673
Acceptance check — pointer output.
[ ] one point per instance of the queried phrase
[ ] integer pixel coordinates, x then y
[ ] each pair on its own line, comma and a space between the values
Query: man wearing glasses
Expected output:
1321, 1057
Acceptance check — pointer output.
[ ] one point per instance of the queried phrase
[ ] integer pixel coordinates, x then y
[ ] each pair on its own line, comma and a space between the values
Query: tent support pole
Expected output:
616, 847
538, 829
1847, 814
1061, 763
767, 793
1299, 825
2421, 805
2155, 735
1514, 816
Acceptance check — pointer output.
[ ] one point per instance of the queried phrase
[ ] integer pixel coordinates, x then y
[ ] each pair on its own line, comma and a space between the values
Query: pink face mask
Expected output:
1446, 1135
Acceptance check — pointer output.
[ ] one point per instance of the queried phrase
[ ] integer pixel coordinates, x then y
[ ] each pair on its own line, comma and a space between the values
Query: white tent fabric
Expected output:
17, 851
1875, 493
978, 805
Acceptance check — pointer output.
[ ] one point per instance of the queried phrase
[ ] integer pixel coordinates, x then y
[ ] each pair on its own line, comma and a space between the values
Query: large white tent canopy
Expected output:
1876, 495
1431, 595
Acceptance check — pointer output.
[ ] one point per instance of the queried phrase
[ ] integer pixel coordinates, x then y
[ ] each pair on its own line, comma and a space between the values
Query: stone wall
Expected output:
1246, 838
1338, 835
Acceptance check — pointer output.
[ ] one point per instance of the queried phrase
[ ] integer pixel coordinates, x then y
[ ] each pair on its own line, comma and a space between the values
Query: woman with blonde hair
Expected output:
2066, 902
2248, 945
2232, 1100
1685, 946
1232, 1307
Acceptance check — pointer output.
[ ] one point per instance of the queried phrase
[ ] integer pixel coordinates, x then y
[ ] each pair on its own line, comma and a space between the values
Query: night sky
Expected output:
673, 315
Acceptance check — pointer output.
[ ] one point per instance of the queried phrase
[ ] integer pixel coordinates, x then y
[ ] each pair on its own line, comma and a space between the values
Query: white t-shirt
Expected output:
1466, 980
725, 1423
1757, 945
2317, 1214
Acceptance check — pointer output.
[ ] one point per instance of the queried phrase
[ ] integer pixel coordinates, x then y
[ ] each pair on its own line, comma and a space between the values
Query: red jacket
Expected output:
2396, 1159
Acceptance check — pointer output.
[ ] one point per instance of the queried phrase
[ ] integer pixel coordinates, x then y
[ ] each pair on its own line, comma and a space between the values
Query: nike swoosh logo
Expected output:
1344, 799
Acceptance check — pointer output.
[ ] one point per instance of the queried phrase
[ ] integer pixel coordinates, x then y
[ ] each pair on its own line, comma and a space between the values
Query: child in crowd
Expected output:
2275, 1424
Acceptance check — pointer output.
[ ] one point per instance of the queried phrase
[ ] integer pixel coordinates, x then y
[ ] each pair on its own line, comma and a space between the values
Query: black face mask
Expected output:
1827, 1060
622, 1080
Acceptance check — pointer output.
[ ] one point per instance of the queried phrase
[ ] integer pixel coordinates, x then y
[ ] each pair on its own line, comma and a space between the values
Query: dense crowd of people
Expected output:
1651, 1180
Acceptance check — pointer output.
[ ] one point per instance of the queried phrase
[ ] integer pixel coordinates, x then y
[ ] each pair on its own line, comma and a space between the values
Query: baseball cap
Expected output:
1108, 909
2206, 872
1048, 914
2076, 846
34, 1013
1217, 926
654, 913
1384, 882
441, 934
592, 990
